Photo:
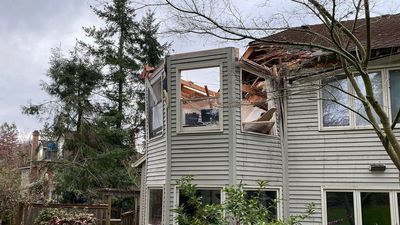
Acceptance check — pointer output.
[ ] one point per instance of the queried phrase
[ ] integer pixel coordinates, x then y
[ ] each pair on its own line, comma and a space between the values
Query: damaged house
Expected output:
226, 119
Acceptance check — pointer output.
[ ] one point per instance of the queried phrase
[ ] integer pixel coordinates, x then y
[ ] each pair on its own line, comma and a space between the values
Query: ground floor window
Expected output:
374, 207
268, 198
155, 206
207, 196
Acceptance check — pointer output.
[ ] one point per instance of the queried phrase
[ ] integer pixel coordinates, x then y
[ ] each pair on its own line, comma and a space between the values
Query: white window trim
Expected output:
387, 81
198, 187
279, 196
147, 214
352, 116
394, 209
275, 127
149, 83
194, 66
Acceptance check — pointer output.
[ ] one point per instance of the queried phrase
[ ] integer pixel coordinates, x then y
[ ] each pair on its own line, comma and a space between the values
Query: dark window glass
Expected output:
267, 199
340, 208
155, 206
208, 197
376, 80
394, 79
398, 203
335, 114
155, 108
375, 208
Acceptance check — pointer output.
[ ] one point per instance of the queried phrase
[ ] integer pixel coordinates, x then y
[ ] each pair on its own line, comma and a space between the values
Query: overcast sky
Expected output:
30, 28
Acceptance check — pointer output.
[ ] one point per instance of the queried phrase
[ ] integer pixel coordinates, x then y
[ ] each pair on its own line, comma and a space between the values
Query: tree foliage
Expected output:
8, 143
97, 103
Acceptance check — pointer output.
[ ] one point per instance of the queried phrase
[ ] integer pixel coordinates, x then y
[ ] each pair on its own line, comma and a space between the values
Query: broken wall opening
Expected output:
257, 104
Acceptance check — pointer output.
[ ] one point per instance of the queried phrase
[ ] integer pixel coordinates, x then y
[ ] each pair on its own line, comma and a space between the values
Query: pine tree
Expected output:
151, 49
116, 45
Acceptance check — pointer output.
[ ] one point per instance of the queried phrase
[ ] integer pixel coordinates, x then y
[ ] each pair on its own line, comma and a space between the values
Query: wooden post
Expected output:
19, 214
108, 219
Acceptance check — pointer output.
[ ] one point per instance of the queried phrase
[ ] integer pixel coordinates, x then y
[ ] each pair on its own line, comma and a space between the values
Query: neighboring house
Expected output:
227, 120
35, 169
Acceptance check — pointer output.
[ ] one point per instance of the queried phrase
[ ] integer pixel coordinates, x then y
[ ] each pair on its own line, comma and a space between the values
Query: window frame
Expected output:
195, 66
274, 128
394, 209
352, 115
154, 187
149, 82
198, 187
279, 196
389, 105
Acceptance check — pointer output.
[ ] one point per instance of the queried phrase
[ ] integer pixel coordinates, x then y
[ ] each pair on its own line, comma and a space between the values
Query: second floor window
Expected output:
337, 100
155, 108
200, 92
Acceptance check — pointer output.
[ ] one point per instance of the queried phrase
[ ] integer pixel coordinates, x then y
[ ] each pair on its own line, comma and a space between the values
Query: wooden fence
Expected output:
32, 211
130, 218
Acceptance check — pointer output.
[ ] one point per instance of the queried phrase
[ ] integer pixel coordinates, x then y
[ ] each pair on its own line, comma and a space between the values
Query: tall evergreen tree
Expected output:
72, 82
116, 45
151, 49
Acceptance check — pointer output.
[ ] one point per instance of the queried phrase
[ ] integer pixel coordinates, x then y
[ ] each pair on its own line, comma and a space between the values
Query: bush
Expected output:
64, 217
238, 209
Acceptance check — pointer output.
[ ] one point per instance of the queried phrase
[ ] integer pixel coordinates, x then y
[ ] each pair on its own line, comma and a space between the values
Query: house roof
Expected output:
384, 30
384, 39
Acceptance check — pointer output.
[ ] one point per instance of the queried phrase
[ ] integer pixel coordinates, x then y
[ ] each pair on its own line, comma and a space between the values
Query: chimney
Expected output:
35, 144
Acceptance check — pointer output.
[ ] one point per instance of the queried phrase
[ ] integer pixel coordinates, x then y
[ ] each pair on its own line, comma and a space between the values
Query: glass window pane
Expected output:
375, 208
394, 79
376, 80
267, 199
155, 108
208, 197
200, 94
335, 114
398, 204
155, 206
340, 208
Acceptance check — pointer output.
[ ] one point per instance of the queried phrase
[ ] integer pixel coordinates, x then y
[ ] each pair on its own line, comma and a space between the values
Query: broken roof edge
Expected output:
393, 58
139, 161
255, 68
193, 54
149, 71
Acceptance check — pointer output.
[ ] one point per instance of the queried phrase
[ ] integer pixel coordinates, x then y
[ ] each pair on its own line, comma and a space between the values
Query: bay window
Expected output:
267, 198
258, 108
207, 197
155, 108
200, 94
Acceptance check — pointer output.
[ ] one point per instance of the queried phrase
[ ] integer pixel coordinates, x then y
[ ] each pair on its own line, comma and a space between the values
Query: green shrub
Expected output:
64, 217
237, 209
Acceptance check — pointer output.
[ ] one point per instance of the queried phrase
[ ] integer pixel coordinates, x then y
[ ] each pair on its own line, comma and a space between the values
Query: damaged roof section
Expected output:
302, 61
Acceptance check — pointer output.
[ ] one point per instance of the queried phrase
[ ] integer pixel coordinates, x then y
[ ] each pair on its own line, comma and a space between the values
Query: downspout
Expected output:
282, 82
167, 190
